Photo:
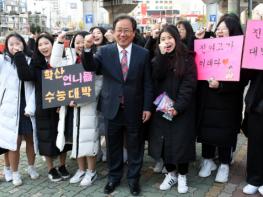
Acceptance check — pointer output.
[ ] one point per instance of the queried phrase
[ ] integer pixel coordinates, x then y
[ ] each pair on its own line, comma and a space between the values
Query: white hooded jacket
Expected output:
85, 124
10, 88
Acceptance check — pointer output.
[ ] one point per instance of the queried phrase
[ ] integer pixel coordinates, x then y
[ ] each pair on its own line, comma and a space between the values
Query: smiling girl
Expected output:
220, 112
17, 108
174, 72
46, 119
78, 122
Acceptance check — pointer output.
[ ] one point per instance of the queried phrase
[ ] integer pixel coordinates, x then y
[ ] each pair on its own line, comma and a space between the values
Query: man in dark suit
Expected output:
126, 100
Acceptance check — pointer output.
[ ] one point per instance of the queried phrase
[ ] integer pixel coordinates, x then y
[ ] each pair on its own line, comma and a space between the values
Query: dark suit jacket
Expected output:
136, 89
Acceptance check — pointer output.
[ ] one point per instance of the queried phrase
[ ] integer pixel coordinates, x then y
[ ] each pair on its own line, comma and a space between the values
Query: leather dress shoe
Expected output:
135, 189
110, 187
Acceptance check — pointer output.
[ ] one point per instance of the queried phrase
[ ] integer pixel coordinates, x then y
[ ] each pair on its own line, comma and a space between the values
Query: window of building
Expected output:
8, 8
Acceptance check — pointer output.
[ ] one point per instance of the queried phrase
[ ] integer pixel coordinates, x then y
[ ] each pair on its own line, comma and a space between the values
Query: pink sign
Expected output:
219, 58
253, 49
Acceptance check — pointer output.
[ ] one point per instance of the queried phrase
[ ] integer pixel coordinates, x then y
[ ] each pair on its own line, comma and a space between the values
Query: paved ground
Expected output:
199, 187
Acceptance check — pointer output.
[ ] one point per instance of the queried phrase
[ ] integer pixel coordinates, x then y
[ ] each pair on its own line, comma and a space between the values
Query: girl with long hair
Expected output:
17, 108
46, 119
220, 112
174, 72
78, 122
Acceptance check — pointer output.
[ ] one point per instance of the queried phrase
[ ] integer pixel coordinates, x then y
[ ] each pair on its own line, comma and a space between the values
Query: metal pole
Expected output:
249, 11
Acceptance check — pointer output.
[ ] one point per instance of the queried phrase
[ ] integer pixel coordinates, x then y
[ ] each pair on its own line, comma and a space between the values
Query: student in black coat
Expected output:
174, 72
219, 113
46, 119
254, 112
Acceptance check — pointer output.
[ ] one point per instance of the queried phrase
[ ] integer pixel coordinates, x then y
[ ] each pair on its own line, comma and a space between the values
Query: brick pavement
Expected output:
198, 187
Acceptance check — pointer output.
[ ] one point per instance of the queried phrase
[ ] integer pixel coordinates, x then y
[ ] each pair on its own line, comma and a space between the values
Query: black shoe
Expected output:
110, 187
135, 189
63, 172
54, 176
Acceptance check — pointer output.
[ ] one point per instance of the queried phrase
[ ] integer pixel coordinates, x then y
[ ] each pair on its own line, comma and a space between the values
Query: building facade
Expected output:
13, 16
168, 11
38, 21
61, 14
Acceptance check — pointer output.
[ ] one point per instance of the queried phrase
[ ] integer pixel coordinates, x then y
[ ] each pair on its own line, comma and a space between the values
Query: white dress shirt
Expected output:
128, 49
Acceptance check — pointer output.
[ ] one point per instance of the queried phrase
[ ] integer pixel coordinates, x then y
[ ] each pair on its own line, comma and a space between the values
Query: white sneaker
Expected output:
78, 176
89, 178
32, 172
250, 189
260, 189
17, 179
169, 180
158, 166
222, 173
207, 166
8, 174
182, 184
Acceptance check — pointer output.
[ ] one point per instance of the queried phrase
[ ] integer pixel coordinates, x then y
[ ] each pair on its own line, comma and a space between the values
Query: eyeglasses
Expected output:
124, 31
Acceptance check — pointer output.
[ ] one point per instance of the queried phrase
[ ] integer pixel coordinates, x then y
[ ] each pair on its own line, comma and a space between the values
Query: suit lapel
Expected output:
116, 62
132, 62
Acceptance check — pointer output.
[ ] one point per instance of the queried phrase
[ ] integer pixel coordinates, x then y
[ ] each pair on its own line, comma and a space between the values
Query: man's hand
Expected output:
146, 116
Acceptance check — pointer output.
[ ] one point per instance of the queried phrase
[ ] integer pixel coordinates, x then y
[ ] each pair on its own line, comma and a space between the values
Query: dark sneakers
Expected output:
54, 176
63, 172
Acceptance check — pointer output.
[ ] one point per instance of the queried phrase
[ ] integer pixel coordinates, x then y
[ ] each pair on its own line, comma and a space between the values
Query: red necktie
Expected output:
124, 64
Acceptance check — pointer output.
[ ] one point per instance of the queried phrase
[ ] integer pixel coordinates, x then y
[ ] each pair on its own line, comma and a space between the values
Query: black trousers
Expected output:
182, 168
224, 153
255, 150
135, 147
